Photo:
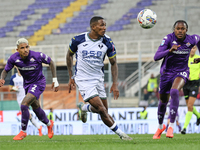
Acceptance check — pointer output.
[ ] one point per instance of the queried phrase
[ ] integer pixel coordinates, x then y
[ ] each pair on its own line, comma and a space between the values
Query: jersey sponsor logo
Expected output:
162, 43
183, 51
27, 68
17, 60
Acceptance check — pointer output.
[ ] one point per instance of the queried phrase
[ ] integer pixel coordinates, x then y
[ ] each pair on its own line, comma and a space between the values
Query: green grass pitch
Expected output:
101, 142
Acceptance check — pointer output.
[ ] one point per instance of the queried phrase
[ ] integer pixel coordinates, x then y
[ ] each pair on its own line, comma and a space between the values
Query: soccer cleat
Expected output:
83, 113
20, 136
125, 137
169, 133
183, 131
50, 129
198, 121
40, 131
159, 132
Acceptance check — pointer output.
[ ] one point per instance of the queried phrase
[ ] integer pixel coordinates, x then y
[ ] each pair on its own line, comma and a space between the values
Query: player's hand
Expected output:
196, 60
71, 85
2, 81
115, 90
174, 48
55, 85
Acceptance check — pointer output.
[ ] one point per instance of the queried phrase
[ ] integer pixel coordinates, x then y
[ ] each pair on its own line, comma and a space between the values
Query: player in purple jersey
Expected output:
29, 64
90, 49
174, 50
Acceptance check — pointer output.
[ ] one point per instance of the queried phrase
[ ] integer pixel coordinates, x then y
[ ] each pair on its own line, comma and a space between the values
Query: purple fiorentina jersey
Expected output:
176, 61
30, 68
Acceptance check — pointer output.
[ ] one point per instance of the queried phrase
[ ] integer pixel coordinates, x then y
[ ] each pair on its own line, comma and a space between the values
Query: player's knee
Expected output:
174, 93
190, 108
102, 110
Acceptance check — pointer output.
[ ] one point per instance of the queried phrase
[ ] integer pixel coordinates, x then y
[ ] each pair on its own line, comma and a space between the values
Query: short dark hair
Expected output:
181, 21
95, 19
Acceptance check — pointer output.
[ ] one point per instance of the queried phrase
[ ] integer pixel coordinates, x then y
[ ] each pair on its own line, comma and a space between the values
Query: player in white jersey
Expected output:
16, 85
90, 49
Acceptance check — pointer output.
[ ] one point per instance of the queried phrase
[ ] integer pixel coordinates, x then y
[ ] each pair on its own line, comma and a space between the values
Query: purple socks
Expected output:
41, 115
174, 93
161, 111
25, 117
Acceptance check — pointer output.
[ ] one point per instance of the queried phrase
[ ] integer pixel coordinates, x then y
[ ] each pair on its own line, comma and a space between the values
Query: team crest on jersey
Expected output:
32, 59
100, 46
188, 44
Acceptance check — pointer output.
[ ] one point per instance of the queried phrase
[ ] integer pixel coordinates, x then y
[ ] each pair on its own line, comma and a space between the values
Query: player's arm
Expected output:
114, 71
3, 76
69, 61
55, 83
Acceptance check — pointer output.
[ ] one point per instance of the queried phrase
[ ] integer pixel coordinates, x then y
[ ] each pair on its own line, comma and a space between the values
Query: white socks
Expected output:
34, 122
86, 107
171, 125
160, 126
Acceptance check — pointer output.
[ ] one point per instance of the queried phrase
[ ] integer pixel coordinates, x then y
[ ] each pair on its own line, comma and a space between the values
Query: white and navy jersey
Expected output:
90, 55
18, 81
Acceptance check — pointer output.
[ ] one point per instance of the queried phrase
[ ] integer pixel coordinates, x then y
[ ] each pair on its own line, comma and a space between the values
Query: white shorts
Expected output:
91, 88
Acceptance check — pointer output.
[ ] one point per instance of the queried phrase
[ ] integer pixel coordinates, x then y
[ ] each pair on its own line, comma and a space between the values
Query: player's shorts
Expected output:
167, 79
91, 88
36, 89
191, 88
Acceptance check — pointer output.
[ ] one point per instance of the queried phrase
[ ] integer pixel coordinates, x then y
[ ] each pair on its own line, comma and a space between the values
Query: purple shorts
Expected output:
167, 79
35, 89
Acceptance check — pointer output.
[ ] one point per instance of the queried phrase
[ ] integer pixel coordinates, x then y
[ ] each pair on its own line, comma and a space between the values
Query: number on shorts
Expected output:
33, 88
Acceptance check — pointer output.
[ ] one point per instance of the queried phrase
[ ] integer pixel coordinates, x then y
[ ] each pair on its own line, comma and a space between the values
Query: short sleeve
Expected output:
9, 65
111, 52
73, 45
45, 58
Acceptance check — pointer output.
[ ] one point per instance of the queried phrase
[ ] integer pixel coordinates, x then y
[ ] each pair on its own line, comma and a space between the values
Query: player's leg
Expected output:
168, 120
28, 99
164, 98
35, 123
42, 117
106, 118
174, 93
197, 114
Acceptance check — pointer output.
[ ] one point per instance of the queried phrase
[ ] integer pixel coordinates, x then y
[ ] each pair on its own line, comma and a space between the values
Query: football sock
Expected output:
115, 129
196, 112
34, 122
188, 117
171, 125
160, 126
25, 117
161, 111
179, 128
166, 127
86, 107
41, 115
174, 93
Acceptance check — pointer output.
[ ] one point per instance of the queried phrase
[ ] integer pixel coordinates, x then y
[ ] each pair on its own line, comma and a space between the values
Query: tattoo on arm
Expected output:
53, 68
3, 74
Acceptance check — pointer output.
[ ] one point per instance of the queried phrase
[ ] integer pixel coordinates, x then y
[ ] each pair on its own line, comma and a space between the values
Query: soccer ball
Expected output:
146, 18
